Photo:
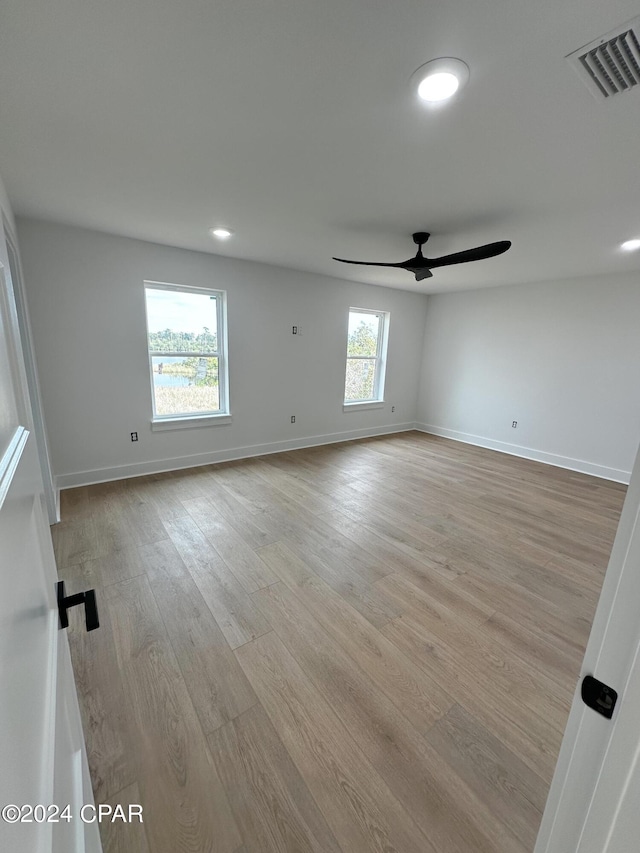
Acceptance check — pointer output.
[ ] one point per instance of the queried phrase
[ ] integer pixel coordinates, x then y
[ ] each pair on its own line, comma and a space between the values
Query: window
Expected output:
366, 354
186, 341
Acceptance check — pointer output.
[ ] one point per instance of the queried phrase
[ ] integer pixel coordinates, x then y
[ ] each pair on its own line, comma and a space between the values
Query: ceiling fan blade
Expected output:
490, 250
421, 267
367, 263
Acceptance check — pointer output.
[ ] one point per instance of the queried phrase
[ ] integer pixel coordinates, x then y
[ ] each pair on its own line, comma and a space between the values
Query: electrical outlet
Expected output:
293, 419
134, 436
294, 330
514, 424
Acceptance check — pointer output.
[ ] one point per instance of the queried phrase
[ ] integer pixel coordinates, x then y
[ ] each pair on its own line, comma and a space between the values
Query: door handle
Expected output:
598, 696
88, 598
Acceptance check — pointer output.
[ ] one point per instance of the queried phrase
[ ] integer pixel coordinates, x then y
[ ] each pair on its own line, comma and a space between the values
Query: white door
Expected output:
43, 764
594, 801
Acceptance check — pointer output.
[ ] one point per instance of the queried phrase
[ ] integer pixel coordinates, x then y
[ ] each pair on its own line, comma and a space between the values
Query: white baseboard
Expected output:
580, 465
139, 469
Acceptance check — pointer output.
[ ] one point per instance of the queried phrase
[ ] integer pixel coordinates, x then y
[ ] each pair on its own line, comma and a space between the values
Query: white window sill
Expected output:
190, 422
359, 407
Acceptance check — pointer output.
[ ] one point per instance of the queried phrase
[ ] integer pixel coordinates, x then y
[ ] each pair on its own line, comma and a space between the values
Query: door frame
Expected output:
13, 271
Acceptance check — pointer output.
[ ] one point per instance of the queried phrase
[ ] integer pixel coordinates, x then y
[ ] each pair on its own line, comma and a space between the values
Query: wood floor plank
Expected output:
414, 563
402, 520
304, 466
185, 483
184, 801
419, 590
557, 590
79, 576
329, 545
142, 522
370, 601
74, 503
359, 808
581, 576
101, 697
350, 571
495, 662
243, 561
236, 614
540, 531
116, 566
217, 685
198, 549
536, 651
162, 561
568, 630
158, 493
440, 803
514, 794
251, 492
396, 676
206, 512
192, 545
378, 524
120, 519
120, 837
271, 802
292, 487
526, 734
109, 493
74, 541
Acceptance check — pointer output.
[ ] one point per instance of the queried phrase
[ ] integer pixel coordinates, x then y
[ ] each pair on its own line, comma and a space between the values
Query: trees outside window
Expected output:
185, 335
366, 354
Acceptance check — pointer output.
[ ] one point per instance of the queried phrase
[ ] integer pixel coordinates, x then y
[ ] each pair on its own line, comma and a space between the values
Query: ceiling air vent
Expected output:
610, 65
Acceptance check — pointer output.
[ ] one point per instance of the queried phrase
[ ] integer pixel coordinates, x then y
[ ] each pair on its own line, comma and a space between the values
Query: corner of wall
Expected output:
568, 462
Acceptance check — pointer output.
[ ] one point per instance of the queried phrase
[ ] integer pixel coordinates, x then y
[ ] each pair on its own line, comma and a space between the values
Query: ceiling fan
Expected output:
421, 267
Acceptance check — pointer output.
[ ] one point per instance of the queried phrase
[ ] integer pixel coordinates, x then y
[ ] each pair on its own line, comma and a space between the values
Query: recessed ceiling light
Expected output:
220, 233
630, 245
440, 79
438, 87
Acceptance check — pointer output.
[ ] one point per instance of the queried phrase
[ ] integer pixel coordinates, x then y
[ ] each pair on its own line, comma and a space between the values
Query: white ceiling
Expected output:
291, 121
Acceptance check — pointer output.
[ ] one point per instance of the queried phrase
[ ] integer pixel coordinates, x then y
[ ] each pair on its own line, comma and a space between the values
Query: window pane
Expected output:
181, 322
363, 334
185, 385
360, 378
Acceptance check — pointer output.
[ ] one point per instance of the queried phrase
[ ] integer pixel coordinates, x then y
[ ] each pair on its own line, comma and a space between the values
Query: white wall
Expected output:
560, 358
86, 302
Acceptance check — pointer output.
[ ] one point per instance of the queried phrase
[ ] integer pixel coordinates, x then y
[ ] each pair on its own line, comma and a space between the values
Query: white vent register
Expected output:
610, 65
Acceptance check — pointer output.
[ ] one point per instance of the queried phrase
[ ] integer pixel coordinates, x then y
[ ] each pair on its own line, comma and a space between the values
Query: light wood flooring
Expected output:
369, 646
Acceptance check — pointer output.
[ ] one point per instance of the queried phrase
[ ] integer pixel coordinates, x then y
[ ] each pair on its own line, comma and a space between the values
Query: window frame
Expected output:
377, 401
195, 419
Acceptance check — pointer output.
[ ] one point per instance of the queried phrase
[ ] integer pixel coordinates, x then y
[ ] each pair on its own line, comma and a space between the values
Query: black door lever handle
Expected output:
88, 598
598, 696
